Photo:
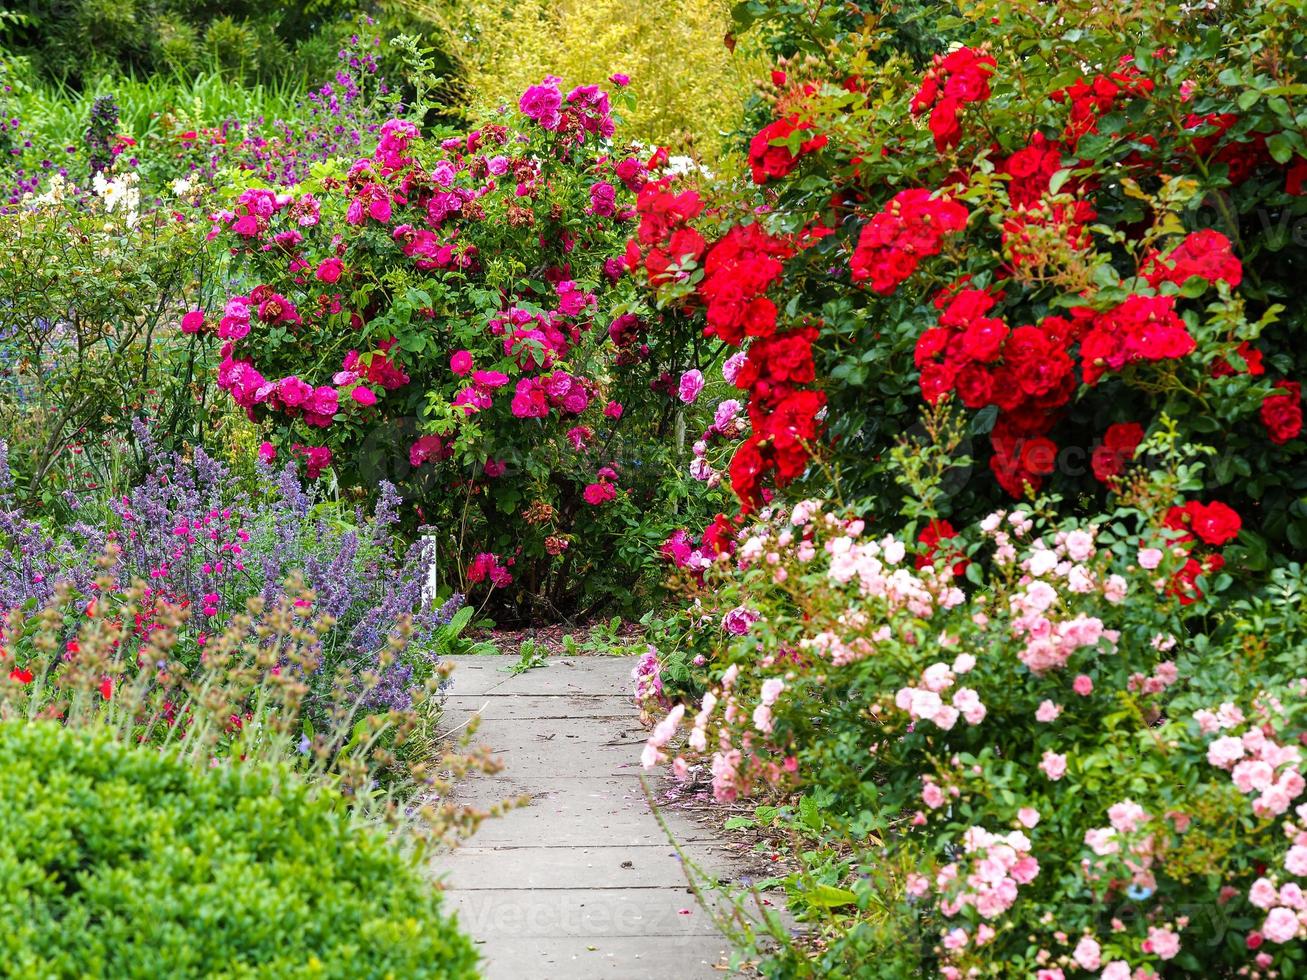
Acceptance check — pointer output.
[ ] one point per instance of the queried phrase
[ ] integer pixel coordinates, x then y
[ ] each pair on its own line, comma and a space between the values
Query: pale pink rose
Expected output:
937, 677
1296, 860
1087, 953
1025, 870
1163, 943
1292, 896
932, 796
1083, 685
1150, 558
1263, 894
955, 939
1126, 816
1047, 711
1281, 925
1054, 765
1028, 816
1116, 970
1225, 752
1079, 545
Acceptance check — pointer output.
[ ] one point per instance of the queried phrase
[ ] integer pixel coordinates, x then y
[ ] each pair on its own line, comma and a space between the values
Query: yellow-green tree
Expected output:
689, 85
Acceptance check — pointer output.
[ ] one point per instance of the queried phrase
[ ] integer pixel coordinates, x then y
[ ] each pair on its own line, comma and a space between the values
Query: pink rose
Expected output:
1053, 765
460, 363
267, 452
1164, 943
690, 386
1150, 558
193, 322
364, 395
1083, 685
329, 270
613, 410
1087, 953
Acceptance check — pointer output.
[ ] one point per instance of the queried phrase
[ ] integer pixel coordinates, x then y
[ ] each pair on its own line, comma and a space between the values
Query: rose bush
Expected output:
1036, 763
444, 315
1067, 238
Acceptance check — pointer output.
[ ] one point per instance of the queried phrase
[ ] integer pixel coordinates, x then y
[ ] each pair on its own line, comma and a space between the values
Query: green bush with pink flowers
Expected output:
446, 314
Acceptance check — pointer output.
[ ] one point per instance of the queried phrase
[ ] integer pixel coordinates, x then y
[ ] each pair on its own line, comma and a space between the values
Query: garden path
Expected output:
582, 882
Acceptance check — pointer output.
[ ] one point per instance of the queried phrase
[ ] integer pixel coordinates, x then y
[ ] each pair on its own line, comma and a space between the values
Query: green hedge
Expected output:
120, 862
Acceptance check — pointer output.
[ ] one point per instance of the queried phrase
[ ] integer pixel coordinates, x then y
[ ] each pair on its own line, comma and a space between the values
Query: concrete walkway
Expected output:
582, 883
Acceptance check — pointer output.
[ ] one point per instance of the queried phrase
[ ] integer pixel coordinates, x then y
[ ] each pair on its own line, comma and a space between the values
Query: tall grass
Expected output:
57, 114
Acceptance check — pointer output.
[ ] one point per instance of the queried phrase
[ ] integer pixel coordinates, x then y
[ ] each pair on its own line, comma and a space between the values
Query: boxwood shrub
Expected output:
118, 861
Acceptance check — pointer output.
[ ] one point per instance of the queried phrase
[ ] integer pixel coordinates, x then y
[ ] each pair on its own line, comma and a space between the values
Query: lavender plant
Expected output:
200, 541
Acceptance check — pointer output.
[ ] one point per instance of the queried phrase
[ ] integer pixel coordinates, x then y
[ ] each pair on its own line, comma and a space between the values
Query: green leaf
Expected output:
1280, 148
829, 897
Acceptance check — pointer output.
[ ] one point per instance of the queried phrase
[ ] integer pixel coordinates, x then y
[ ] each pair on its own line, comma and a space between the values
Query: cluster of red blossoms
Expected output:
769, 161
1028, 372
738, 271
668, 243
1213, 524
1089, 99
1109, 459
911, 227
954, 80
784, 416
1025, 372
1281, 413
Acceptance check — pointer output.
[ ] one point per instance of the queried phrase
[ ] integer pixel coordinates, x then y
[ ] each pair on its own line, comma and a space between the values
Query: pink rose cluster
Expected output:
729, 424
987, 875
734, 772
926, 701
1256, 761
534, 397
486, 567
586, 109
1263, 763
603, 489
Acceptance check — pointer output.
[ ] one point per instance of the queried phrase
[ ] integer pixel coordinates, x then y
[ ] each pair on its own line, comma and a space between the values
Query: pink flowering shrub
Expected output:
446, 315
1021, 732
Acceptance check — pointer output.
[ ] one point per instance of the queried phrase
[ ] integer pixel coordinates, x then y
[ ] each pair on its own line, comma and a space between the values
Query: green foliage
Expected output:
142, 866
92, 298
85, 40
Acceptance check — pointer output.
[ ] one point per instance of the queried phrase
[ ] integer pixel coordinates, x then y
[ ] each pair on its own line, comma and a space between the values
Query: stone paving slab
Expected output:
475, 674
503, 915
582, 882
566, 817
563, 959
494, 707
620, 865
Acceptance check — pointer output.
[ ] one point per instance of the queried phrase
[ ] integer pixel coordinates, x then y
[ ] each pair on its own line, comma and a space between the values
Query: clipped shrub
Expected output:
138, 865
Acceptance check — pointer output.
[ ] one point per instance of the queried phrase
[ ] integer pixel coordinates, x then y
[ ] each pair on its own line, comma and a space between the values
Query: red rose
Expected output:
1282, 414
983, 339
1215, 523
770, 162
1039, 456
1118, 448
975, 386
